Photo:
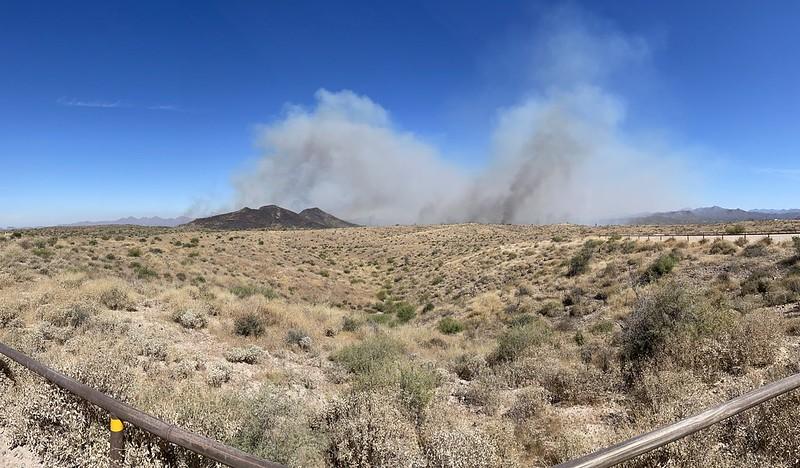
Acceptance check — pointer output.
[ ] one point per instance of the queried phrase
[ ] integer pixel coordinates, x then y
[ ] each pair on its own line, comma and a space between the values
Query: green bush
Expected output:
673, 323
135, 252
249, 324
368, 355
450, 326
143, 272
579, 263
661, 266
405, 312
244, 291
515, 341
417, 386
735, 229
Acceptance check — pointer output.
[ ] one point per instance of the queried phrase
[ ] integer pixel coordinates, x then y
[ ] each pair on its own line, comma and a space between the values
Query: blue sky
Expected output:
109, 109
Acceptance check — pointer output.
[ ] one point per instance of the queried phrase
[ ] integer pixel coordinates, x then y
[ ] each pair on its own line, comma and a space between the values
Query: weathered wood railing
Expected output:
120, 411
632, 448
702, 235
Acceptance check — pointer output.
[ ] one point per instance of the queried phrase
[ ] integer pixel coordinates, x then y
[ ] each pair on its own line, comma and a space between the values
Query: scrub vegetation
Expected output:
437, 346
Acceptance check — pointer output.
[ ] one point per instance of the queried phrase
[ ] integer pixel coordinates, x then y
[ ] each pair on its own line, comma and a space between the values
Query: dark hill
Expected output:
271, 217
325, 219
714, 214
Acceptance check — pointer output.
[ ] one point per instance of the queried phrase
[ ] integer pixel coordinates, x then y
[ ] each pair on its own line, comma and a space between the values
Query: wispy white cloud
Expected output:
165, 107
72, 102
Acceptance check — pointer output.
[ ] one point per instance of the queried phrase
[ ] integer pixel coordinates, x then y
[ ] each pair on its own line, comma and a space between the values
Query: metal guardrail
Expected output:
650, 441
122, 412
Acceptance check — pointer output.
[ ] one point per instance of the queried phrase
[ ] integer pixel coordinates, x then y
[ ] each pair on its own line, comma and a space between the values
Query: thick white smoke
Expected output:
560, 154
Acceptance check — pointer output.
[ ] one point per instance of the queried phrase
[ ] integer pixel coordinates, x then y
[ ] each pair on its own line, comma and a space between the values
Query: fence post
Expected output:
117, 453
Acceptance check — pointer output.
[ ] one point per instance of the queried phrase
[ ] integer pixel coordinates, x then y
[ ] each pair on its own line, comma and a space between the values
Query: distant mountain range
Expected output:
151, 221
714, 214
271, 217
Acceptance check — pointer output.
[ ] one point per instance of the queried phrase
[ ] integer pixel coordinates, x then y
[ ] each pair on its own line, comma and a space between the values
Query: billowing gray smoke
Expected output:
560, 154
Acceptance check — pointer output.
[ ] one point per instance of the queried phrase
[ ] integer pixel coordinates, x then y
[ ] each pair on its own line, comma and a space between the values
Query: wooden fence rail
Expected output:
631, 448
710, 235
120, 411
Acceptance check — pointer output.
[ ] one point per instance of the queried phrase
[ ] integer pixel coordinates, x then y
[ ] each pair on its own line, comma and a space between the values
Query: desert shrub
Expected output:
663, 265
520, 320
144, 272
675, 324
369, 354
741, 242
249, 324
792, 283
459, 444
755, 250
735, 229
551, 309
571, 385
218, 374
722, 247
73, 315
368, 429
796, 246
149, 346
9, 317
405, 312
247, 355
299, 338
573, 297
244, 291
515, 341
350, 324
579, 263
603, 326
190, 319
753, 342
450, 326
758, 282
417, 386
530, 402
115, 296
135, 252
469, 366
42, 252
279, 429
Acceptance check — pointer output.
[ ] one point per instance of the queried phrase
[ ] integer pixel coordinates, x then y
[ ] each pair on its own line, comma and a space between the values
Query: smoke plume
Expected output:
561, 153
